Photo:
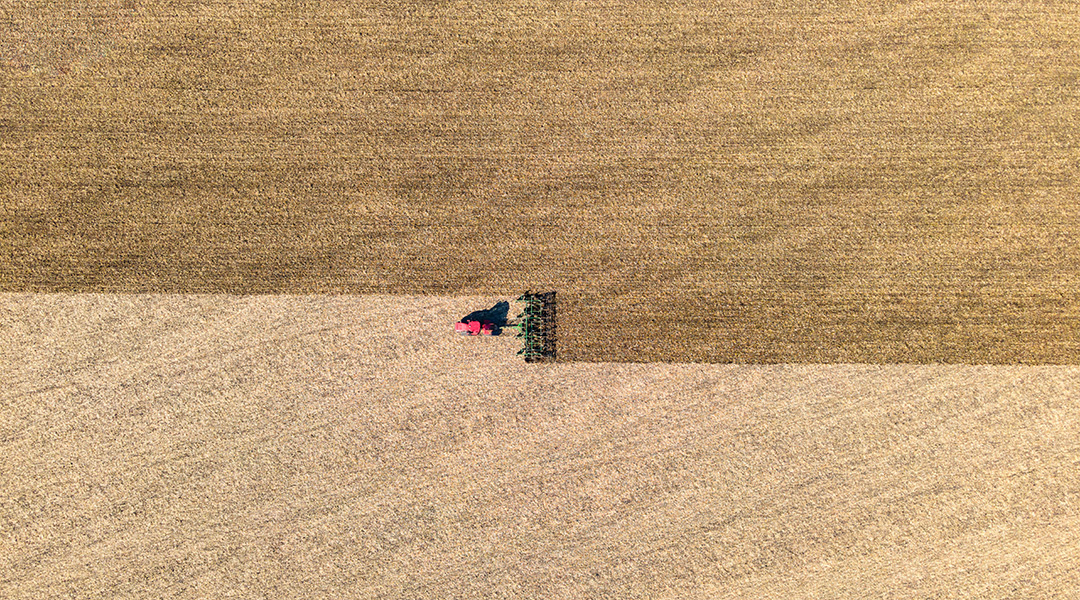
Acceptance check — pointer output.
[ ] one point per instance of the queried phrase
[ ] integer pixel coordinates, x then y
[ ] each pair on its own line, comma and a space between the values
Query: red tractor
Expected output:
535, 325
474, 328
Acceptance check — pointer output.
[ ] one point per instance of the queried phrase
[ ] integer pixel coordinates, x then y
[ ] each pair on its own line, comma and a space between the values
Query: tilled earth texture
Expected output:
720, 181
356, 447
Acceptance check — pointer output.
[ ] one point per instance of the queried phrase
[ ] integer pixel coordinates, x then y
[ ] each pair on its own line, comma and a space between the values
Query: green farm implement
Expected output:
536, 327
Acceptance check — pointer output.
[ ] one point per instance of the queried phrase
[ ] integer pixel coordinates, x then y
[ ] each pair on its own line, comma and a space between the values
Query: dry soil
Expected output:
193, 446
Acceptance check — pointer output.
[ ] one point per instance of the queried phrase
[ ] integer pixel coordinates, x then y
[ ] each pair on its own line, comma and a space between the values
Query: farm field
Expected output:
180, 446
702, 182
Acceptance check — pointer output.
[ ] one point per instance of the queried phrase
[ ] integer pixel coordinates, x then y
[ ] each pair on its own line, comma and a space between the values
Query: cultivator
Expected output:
536, 327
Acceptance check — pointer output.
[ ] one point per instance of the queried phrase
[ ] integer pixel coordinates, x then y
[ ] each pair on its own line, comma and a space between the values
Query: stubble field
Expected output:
186, 446
804, 182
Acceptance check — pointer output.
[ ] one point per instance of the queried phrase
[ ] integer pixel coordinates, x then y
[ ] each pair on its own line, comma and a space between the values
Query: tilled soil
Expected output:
701, 182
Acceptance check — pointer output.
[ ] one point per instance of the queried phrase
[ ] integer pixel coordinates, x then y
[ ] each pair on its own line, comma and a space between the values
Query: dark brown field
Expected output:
701, 182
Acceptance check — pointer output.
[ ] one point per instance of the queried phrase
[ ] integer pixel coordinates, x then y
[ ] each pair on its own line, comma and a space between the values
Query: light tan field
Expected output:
171, 446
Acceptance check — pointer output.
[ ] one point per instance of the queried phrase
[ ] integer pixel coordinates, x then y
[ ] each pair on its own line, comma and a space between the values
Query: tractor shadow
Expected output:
496, 315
